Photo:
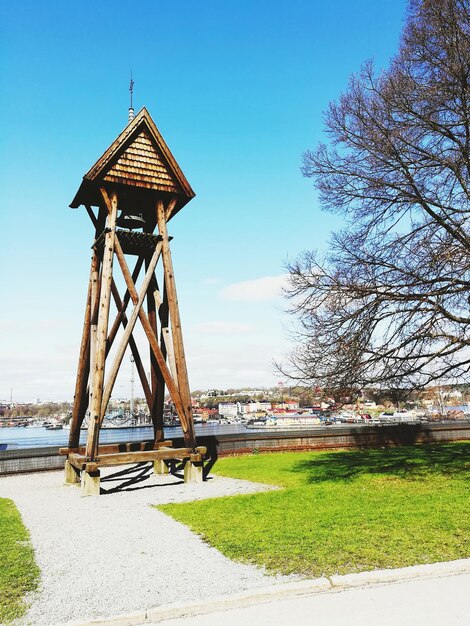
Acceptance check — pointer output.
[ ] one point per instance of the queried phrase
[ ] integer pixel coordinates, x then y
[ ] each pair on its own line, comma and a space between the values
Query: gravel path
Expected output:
101, 556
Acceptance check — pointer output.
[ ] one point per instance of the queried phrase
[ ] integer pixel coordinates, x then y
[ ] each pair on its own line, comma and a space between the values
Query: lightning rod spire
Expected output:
131, 108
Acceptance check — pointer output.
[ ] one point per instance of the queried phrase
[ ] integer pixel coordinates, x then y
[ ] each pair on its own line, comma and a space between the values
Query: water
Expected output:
461, 407
41, 437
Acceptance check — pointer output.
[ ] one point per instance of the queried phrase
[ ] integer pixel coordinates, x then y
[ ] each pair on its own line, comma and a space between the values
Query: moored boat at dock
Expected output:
288, 420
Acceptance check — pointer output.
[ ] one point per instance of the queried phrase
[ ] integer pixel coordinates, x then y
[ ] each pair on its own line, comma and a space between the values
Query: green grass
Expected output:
341, 512
18, 570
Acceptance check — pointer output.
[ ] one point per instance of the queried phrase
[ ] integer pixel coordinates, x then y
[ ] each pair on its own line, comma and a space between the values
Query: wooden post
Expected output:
182, 373
95, 291
102, 329
165, 335
156, 378
82, 373
167, 349
99, 224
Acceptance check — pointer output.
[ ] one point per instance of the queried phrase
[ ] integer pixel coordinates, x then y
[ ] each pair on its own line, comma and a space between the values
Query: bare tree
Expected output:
389, 303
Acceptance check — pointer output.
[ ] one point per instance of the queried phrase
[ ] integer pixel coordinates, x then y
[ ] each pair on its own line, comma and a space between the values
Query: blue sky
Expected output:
237, 89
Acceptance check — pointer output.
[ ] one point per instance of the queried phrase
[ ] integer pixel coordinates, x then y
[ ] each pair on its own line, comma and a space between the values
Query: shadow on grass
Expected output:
409, 462
392, 435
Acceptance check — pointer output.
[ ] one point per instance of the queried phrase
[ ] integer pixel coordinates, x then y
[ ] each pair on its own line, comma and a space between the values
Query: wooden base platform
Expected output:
84, 471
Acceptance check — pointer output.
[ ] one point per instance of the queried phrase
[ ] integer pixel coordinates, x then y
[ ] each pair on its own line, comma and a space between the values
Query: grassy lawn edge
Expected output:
19, 573
341, 511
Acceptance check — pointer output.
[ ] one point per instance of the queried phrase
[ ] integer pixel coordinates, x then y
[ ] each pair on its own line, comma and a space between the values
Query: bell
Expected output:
125, 220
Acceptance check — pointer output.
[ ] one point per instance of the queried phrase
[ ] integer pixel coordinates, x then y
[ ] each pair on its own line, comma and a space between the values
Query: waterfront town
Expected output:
247, 405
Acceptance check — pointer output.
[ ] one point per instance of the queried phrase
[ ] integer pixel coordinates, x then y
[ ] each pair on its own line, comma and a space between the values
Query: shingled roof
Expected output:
139, 158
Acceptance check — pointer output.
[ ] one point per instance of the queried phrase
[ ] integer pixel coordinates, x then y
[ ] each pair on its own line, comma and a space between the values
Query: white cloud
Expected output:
256, 290
231, 368
221, 327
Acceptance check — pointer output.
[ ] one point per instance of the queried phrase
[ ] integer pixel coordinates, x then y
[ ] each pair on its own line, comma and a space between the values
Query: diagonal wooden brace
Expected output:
133, 347
122, 305
129, 328
172, 388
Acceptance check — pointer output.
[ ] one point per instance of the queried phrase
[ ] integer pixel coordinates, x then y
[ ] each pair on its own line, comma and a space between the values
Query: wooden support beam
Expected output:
156, 378
81, 397
122, 306
133, 347
167, 350
116, 447
98, 221
83, 370
160, 405
95, 291
165, 338
128, 331
121, 458
152, 315
172, 388
102, 328
177, 334
91, 215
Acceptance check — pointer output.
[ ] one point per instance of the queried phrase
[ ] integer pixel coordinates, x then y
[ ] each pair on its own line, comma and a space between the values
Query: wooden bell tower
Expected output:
130, 195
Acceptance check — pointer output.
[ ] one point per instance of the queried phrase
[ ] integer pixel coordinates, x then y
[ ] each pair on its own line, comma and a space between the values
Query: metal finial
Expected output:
131, 108
131, 88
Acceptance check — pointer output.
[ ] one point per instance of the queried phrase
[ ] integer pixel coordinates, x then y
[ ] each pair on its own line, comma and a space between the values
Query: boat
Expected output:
171, 421
398, 416
289, 421
258, 424
54, 427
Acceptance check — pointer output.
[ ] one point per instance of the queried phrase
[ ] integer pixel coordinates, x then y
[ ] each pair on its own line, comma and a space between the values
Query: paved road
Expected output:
428, 602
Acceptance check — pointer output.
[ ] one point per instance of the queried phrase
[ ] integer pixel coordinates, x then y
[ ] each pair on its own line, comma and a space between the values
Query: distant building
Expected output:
230, 409
289, 405
207, 413
255, 407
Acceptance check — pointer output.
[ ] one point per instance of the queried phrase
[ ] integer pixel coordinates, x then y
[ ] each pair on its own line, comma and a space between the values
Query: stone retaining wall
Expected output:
40, 459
